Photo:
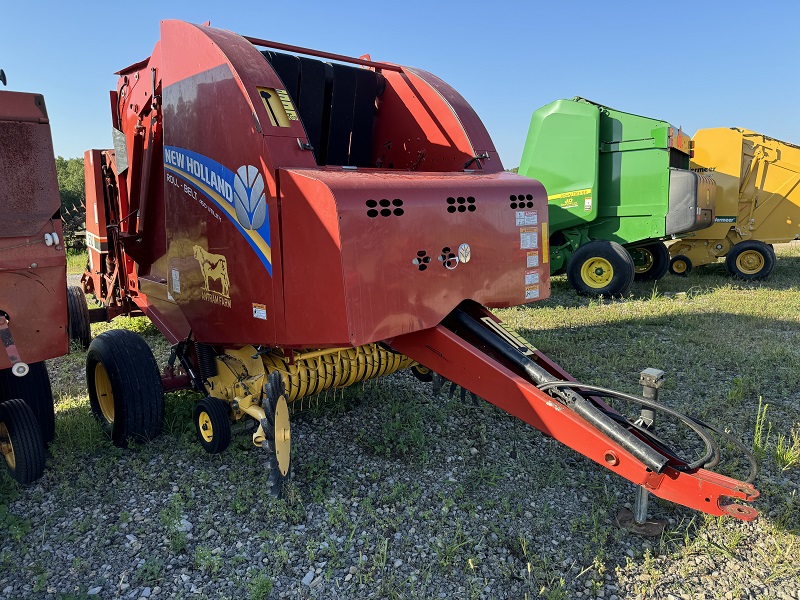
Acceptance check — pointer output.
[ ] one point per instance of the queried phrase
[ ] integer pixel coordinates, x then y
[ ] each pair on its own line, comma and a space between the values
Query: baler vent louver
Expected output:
383, 208
521, 201
460, 204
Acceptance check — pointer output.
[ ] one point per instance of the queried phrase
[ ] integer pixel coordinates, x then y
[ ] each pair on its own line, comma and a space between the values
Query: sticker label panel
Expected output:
526, 217
528, 238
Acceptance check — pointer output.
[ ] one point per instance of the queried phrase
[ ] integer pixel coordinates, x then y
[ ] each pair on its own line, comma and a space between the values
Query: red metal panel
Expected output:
368, 267
32, 273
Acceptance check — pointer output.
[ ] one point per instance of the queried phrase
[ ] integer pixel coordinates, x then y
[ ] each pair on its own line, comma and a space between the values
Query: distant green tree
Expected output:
73, 196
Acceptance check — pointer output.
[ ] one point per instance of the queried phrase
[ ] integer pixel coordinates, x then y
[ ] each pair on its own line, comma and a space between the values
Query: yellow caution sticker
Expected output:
279, 106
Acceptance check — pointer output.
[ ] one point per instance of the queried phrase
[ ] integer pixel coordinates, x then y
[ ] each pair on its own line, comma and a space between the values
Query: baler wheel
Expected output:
125, 393
750, 260
34, 389
212, 424
277, 431
423, 374
21, 441
651, 261
78, 325
601, 268
680, 265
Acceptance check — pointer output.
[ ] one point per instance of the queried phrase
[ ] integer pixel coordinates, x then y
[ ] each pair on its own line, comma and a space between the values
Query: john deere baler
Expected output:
617, 184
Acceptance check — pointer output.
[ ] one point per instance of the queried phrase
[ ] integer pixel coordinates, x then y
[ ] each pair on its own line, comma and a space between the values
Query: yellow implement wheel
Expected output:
750, 259
597, 272
105, 395
125, 393
651, 261
212, 424
680, 265
21, 441
750, 262
601, 268
283, 435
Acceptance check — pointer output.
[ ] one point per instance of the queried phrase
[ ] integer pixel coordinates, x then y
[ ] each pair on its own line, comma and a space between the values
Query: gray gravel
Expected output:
396, 494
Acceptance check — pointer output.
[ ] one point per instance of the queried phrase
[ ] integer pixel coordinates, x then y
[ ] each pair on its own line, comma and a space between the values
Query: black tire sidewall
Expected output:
661, 262
26, 439
217, 411
752, 245
79, 326
35, 390
620, 260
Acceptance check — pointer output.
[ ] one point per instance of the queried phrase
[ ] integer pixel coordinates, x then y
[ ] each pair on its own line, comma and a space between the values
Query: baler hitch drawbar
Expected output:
472, 348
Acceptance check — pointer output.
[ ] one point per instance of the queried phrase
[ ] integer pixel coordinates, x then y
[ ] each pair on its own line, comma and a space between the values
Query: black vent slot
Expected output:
521, 201
384, 207
421, 260
461, 204
336, 104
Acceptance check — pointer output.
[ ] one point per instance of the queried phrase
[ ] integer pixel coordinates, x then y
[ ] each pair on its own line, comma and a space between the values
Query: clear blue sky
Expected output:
696, 65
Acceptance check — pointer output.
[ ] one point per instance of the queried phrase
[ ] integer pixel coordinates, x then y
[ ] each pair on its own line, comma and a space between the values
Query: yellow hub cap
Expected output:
283, 446
679, 266
750, 262
206, 430
645, 258
7, 448
105, 396
597, 272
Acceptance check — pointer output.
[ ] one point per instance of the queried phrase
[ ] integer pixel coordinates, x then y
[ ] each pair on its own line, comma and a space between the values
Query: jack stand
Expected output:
636, 521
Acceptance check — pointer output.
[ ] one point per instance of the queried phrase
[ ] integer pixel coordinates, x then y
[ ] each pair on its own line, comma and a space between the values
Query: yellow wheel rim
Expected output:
206, 430
7, 448
597, 272
283, 435
646, 259
105, 395
679, 266
423, 370
750, 262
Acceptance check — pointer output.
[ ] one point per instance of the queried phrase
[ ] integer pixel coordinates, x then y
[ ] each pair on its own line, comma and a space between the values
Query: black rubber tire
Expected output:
760, 256
657, 259
78, 325
34, 389
26, 441
276, 481
217, 412
680, 265
137, 397
610, 253
423, 374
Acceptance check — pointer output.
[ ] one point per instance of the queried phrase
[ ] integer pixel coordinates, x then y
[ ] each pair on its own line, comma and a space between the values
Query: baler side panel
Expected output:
391, 265
561, 151
32, 273
220, 185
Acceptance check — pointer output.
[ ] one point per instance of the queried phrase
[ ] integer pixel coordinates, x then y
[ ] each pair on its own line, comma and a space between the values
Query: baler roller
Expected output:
309, 373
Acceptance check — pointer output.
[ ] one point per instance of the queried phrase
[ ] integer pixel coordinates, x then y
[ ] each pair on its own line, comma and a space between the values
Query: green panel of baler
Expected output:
562, 152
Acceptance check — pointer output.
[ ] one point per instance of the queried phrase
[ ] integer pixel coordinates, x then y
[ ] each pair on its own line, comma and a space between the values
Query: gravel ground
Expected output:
396, 493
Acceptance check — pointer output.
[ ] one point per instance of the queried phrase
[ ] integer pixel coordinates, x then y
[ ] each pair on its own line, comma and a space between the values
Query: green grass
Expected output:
728, 349
76, 261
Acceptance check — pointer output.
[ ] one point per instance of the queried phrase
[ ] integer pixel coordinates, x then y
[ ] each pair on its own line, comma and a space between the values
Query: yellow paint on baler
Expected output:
758, 192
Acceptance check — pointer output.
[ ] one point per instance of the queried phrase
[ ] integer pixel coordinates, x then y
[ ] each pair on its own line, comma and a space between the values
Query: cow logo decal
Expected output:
248, 197
215, 269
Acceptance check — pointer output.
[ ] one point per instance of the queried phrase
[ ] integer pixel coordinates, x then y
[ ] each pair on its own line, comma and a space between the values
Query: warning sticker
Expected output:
528, 238
531, 277
260, 311
587, 204
176, 281
532, 292
527, 217
533, 260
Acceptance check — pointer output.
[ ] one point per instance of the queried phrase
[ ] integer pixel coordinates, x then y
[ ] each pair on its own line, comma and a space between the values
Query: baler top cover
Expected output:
282, 200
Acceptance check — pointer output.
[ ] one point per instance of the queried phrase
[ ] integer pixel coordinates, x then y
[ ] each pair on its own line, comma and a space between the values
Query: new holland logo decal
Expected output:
240, 196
